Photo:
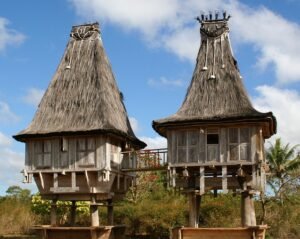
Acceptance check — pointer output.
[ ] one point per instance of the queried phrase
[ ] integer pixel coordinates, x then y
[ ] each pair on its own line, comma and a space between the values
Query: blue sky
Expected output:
152, 46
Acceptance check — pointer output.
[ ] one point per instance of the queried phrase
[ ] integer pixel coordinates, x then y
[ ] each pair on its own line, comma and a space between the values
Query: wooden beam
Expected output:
194, 205
94, 212
174, 177
53, 209
73, 213
55, 180
86, 174
73, 180
42, 180
224, 179
247, 209
110, 212
202, 180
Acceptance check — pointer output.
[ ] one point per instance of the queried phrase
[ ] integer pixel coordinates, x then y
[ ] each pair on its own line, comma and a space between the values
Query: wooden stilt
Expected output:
110, 212
73, 213
194, 206
53, 219
94, 213
247, 209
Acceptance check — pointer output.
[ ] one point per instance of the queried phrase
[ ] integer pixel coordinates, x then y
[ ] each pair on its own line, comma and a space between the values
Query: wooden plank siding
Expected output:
75, 167
216, 145
69, 153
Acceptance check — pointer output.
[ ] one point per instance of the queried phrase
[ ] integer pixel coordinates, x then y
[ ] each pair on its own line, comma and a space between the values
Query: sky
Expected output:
152, 47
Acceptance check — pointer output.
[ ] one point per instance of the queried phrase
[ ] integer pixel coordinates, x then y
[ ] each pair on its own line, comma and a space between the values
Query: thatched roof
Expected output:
83, 97
216, 93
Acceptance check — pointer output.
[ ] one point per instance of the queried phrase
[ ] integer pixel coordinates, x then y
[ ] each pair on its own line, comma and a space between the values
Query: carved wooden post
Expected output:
247, 209
73, 213
194, 206
53, 213
110, 212
94, 212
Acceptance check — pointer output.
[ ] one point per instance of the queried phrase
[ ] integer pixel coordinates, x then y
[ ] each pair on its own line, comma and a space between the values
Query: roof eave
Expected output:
162, 127
23, 137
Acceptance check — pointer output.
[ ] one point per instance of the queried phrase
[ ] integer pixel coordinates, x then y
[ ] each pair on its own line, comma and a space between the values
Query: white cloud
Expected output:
285, 105
134, 124
6, 115
169, 24
34, 96
11, 163
143, 15
4, 140
9, 36
163, 81
154, 143
273, 36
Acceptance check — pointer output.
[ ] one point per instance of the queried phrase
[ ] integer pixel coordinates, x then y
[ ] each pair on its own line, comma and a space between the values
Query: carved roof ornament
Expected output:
84, 31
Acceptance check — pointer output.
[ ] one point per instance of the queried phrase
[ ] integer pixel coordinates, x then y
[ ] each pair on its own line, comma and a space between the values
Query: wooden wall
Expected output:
215, 145
73, 153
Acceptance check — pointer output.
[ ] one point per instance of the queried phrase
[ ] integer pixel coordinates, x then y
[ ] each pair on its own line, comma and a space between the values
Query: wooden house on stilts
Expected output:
216, 138
74, 141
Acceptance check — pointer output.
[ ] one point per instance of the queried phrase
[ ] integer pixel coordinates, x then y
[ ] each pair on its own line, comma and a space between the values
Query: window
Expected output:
187, 146
212, 139
86, 151
239, 144
42, 151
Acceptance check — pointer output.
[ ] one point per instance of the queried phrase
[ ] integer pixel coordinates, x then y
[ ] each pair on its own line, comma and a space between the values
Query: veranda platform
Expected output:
255, 232
100, 232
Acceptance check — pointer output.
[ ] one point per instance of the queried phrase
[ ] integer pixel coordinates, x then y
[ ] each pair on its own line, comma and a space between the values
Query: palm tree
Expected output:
284, 163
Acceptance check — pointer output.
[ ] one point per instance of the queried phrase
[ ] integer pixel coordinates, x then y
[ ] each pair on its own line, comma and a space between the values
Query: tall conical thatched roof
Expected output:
83, 97
216, 93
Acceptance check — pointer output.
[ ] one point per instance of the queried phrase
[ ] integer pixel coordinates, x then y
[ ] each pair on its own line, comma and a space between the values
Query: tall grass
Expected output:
15, 217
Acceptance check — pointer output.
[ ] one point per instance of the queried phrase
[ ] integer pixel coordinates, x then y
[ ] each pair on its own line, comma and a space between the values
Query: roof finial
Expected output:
225, 17
210, 17
216, 14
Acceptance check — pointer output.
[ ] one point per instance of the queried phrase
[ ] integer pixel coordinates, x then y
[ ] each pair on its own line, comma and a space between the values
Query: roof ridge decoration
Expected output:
83, 32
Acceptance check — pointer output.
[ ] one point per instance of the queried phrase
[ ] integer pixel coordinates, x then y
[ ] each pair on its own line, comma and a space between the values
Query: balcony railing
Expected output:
144, 160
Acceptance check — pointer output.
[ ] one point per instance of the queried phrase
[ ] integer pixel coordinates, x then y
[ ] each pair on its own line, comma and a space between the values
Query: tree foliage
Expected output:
284, 164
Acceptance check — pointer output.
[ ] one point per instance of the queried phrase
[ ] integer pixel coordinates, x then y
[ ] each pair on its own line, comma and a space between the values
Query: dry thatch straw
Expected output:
83, 97
216, 92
